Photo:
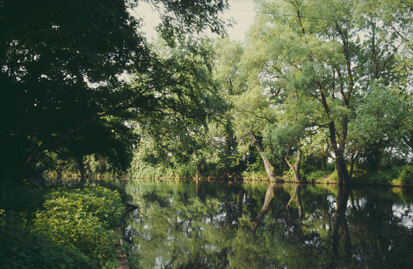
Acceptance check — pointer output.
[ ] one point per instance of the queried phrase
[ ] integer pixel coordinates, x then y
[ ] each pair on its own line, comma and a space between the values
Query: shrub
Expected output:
316, 175
82, 221
22, 248
406, 174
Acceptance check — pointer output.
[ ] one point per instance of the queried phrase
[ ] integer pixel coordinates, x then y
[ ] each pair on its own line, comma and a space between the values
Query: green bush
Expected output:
73, 229
23, 248
332, 177
82, 220
406, 174
397, 175
316, 175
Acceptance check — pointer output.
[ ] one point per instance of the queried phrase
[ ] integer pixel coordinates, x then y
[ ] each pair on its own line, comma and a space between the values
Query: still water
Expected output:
257, 225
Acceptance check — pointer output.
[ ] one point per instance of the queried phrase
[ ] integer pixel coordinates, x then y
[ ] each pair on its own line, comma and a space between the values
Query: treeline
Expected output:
318, 87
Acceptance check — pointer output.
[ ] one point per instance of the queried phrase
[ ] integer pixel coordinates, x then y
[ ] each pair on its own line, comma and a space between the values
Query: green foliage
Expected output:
316, 175
75, 75
23, 248
82, 219
406, 174
146, 170
73, 229
397, 175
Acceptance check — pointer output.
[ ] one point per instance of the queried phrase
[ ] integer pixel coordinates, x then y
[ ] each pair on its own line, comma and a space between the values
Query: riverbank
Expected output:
398, 176
391, 178
65, 227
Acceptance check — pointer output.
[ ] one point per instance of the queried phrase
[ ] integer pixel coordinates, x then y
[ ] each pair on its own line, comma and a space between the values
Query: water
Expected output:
221, 225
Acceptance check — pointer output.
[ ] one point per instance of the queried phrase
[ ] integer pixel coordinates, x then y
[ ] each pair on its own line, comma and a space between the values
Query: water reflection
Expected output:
219, 225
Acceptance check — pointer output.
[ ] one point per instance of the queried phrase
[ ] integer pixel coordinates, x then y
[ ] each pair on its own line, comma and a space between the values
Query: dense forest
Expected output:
319, 88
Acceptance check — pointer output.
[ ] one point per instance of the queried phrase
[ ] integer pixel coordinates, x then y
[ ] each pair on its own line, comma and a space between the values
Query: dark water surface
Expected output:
257, 225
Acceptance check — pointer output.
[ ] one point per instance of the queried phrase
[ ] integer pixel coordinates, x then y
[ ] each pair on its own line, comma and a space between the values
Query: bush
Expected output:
316, 175
74, 229
23, 248
406, 174
82, 219
398, 175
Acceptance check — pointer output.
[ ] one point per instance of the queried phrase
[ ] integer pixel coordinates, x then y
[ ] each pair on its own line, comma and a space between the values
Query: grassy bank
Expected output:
49, 227
396, 176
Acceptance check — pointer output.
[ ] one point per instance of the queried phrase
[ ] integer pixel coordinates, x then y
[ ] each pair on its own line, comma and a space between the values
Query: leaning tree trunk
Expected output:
269, 168
297, 166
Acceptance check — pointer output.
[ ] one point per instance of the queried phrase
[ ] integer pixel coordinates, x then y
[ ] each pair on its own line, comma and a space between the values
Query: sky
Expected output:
241, 13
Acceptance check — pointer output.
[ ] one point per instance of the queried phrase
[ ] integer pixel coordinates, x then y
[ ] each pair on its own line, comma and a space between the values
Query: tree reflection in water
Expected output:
218, 225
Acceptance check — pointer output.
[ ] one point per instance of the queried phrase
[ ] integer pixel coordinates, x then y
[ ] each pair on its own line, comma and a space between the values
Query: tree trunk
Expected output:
353, 160
379, 160
198, 170
81, 168
324, 158
297, 166
342, 173
269, 168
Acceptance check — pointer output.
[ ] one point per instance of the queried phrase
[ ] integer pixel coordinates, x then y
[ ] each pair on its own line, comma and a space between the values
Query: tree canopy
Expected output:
73, 72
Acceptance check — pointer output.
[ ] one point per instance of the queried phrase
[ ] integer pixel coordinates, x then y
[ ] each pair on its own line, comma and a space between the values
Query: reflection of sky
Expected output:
332, 199
404, 213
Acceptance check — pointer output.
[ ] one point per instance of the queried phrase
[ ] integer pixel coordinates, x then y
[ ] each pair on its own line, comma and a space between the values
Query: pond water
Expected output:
257, 225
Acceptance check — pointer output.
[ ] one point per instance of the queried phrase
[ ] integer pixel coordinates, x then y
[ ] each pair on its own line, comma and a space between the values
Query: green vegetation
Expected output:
77, 78
318, 86
71, 228
320, 91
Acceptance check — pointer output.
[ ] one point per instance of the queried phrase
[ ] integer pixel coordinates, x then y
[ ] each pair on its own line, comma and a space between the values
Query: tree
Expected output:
381, 124
317, 48
174, 137
64, 76
252, 114
294, 125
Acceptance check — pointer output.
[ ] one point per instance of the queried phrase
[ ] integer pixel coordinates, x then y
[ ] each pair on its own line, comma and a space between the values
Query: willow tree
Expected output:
332, 52
250, 113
